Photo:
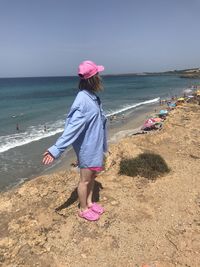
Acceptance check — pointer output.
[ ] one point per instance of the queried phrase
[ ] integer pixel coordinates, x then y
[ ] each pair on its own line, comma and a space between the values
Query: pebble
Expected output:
114, 203
83, 256
48, 248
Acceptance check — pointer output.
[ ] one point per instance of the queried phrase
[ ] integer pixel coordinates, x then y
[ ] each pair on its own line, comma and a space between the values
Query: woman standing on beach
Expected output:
85, 129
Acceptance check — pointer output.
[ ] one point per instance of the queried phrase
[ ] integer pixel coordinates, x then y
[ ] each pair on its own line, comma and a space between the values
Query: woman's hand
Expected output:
48, 158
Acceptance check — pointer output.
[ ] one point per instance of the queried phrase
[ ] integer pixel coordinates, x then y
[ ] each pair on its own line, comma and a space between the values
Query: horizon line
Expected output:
104, 75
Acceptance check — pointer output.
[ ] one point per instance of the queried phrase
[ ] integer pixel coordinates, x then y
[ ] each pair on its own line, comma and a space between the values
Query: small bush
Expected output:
148, 165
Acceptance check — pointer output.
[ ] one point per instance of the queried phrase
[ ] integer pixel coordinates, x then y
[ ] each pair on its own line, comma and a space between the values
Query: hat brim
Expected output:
100, 68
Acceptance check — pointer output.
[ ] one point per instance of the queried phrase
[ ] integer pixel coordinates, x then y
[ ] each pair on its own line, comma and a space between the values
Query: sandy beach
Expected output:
146, 222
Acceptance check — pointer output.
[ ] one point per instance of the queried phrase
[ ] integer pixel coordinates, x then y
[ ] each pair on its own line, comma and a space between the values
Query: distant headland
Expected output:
189, 73
186, 73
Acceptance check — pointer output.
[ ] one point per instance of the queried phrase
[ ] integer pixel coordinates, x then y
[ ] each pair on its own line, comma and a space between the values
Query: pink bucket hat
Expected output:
87, 69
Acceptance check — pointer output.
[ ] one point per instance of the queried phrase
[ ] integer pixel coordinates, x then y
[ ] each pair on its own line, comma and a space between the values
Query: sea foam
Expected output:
36, 133
128, 107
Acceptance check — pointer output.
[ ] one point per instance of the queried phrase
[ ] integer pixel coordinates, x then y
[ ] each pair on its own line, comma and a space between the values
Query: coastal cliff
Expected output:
191, 73
145, 221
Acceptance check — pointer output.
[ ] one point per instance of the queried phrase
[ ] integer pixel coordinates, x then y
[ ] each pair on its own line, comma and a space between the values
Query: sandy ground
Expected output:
157, 223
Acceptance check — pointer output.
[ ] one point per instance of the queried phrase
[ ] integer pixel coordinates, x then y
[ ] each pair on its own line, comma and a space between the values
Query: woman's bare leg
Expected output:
86, 176
91, 189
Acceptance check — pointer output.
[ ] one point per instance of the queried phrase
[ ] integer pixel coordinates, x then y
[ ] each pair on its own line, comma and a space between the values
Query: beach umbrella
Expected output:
187, 91
172, 104
181, 99
150, 123
148, 126
157, 120
163, 112
150, 120
190, 96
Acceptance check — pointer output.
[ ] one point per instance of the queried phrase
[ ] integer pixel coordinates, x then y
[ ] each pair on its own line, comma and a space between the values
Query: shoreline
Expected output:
133, 118
116, 131
150, 222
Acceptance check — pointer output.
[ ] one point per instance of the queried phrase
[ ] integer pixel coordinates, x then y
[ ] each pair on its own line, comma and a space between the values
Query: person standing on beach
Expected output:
17, 127
85, 129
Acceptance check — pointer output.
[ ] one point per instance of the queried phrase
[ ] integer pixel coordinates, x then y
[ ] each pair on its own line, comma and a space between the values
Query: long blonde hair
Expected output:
93, 83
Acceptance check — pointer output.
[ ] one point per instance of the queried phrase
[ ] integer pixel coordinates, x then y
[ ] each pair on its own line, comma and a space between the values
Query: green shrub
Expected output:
148, 165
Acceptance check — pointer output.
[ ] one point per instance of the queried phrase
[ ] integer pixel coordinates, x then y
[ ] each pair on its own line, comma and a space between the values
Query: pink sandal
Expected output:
97, 208
89, 215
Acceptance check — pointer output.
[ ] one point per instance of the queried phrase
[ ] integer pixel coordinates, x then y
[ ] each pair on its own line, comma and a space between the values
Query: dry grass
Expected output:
148, 165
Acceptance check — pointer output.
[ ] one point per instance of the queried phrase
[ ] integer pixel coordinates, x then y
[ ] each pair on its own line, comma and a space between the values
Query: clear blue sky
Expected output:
51, 37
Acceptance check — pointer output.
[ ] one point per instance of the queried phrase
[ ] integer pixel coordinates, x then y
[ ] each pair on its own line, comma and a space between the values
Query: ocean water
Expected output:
33, 111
